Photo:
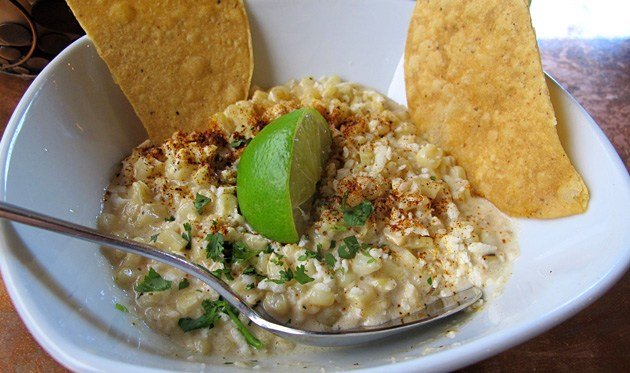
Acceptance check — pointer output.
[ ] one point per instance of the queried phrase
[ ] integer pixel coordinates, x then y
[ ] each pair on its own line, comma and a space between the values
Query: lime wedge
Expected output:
278, 174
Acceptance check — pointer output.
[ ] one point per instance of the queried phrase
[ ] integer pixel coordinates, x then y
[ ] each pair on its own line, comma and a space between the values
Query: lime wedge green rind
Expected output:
278, 172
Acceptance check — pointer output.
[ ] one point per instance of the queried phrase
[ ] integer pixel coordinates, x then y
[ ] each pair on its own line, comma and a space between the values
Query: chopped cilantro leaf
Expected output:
250, 286
249, 337
365, 250
183, 284
207, 320
242, 252
187, 235
430, 281
223, 272
285, 276
154, 237
432, 178
250, 271
152, 282
277, 261
308, 255
357, 216
211, 314
215, 247
330, 260
170, 218
200, 202
301, 276
349, 248
235, 252
121, 308
340, 228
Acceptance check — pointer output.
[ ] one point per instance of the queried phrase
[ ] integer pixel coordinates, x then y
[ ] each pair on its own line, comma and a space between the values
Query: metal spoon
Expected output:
441, 308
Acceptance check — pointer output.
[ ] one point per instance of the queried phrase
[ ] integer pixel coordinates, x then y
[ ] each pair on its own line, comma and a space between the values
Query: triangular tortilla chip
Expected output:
177, 61
475, 86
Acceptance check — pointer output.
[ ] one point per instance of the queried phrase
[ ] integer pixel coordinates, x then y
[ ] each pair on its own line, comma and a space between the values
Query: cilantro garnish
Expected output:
235, 252
242, 252
320, 251
357, 216
224, 252
310, 254
250, 271
301, 276
430, 281
349, 248
154, 237
183, 284
212, 310
365, 251
249, 337
340, 228
215, 247
210, 315
277, 261
225, 271
121, 308
432, 178
187, 235
200, 202
330, 260
285, 276
152, 282
170, 218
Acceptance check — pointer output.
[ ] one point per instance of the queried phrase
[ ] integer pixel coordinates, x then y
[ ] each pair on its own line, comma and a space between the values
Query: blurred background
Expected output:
33, 32
581, 19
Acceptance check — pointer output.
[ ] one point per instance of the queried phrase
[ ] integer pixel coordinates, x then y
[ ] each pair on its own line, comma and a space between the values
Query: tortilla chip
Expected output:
475, 86
177, 61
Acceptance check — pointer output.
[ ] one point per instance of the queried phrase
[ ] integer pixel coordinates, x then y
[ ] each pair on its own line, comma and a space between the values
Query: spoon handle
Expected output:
35, 219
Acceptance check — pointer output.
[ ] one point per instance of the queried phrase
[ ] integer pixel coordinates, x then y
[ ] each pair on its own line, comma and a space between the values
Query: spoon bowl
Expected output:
439, 309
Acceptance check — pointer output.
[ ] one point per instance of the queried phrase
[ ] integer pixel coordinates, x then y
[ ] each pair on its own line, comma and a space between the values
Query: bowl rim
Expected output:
448, 359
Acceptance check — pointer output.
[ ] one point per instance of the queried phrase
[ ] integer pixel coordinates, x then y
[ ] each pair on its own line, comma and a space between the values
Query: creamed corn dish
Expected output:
394, 225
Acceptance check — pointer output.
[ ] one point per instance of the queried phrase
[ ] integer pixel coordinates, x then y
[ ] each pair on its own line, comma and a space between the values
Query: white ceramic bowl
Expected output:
73, 126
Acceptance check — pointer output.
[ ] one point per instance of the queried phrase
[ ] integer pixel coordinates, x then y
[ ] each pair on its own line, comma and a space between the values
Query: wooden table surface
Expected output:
597, 73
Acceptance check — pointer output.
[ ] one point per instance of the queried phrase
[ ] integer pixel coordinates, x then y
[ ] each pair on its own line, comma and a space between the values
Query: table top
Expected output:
597, 73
